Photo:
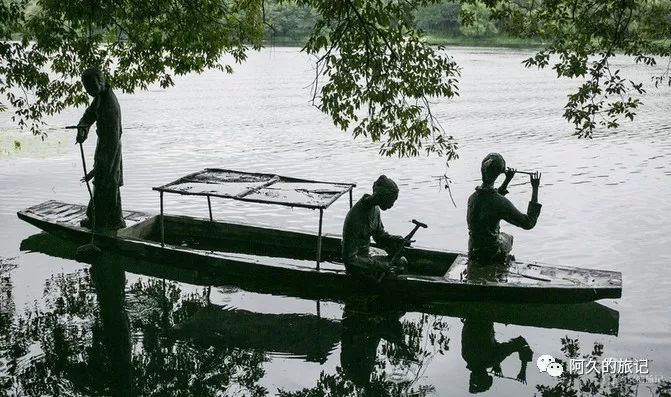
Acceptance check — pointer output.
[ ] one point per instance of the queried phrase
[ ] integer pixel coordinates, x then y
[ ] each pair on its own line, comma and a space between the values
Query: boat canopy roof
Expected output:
258, 188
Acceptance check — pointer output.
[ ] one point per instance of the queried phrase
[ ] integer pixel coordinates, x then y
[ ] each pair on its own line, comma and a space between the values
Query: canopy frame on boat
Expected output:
260, 188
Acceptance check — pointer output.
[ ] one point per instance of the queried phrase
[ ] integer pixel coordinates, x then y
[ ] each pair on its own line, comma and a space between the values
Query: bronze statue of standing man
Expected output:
107, 174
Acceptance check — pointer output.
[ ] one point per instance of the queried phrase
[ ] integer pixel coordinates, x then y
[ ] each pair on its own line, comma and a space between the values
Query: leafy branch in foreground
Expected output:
583, 37
135, 42
370, 54
374, 73
381, 76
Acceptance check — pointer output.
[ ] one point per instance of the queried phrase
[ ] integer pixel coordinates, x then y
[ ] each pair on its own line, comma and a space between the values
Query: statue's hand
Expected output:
522, 377
497, 371
399, 264
87, 178
82, 134
399, 241
535, 180
510, 173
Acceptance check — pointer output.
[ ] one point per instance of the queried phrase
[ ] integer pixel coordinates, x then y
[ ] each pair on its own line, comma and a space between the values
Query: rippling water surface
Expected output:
605, 206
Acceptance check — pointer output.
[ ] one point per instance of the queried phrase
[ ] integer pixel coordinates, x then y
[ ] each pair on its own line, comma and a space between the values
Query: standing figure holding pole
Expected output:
107, 172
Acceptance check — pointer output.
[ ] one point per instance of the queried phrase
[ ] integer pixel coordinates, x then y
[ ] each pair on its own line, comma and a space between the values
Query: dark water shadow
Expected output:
149, 336
589, 317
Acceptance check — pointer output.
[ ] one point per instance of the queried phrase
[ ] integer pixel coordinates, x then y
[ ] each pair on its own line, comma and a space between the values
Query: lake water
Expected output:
605, 206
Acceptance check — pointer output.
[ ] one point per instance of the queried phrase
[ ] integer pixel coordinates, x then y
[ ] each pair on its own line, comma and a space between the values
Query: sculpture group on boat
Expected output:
487, 206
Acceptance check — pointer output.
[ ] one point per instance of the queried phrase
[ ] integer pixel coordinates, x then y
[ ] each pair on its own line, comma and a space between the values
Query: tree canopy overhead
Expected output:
374, 73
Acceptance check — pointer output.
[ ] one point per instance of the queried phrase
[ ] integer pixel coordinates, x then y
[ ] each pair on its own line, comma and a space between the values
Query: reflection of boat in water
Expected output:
288, 258
303, 336
589, 317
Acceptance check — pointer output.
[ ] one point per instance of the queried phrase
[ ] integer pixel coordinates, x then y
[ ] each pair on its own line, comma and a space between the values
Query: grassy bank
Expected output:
483, 41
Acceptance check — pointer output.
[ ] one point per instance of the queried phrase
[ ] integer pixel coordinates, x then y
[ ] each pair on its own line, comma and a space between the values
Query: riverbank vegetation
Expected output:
442, 23
377, 69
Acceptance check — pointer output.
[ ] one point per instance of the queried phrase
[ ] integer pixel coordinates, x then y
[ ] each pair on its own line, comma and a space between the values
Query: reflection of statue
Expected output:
488, 206
89, 345
107, 173
363, 222
481, 351
110, 283
362, 332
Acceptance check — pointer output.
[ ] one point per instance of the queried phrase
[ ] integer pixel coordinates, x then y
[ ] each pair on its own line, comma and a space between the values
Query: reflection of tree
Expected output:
6, 317
78, 342
165, 366
381, 355
594, 383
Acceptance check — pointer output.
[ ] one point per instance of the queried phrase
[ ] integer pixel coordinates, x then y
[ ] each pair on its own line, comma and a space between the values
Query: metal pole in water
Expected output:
162, 223
319, 238
209, 207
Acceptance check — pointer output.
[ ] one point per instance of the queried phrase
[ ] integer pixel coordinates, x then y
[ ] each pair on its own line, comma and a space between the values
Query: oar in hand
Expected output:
87, 250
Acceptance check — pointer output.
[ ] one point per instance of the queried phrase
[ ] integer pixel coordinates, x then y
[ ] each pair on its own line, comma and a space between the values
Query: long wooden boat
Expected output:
591, 317
288, 257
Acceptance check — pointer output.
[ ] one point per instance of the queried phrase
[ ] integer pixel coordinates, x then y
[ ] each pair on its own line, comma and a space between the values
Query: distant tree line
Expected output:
290, 22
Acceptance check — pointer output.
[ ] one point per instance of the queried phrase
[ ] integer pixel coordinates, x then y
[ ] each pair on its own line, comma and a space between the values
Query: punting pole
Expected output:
162, 223
350, 197
319, 238
209, 207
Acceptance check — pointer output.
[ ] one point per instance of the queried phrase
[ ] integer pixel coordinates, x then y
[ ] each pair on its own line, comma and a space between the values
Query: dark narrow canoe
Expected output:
288, 258
589, 317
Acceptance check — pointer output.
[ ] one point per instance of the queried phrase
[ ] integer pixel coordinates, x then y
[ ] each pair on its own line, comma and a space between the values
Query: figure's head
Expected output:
385, 192
93, 81
480, 381
492, 166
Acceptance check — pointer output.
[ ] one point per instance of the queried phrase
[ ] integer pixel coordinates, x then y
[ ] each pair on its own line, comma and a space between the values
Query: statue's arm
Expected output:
89, 116
512, 215
87, 120
503, 189
388, 242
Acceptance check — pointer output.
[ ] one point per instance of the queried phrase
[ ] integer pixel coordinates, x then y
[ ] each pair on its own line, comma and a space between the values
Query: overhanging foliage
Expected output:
374, 74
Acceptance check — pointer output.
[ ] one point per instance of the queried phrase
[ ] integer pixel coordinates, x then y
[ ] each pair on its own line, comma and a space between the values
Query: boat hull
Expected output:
273, 256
